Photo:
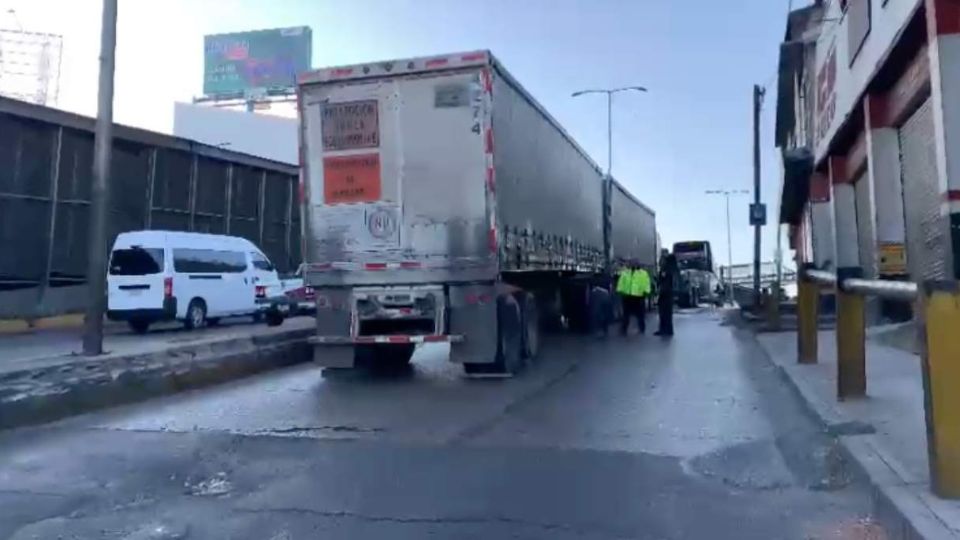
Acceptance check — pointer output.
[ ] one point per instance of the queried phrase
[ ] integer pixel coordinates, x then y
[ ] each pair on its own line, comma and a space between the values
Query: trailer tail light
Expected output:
261, 291
475, 299
492, 240
168, 287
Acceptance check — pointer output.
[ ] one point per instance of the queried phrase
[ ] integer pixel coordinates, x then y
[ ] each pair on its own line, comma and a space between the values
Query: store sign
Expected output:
893, 259
827, 94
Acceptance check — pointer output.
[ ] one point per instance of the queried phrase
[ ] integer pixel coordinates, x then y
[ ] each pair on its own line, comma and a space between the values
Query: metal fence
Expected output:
157, 182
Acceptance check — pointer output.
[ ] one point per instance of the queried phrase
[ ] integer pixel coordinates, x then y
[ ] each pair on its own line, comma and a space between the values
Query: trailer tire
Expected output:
530, 324
509, 356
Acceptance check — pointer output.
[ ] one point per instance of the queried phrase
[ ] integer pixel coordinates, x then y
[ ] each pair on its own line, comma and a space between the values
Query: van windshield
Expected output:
136, 261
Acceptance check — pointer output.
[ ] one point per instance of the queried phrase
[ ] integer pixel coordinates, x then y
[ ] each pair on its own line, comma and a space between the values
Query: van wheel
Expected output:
196, 314
274, 317
139, 326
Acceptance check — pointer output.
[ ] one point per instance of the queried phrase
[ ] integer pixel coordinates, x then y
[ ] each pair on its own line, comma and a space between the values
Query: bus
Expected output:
698, 276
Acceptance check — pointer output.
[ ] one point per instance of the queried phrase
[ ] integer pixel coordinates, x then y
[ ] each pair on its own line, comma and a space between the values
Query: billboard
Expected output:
30, 66
236, 63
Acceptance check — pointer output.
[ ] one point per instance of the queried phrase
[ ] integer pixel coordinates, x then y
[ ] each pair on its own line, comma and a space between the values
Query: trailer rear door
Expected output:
396, 170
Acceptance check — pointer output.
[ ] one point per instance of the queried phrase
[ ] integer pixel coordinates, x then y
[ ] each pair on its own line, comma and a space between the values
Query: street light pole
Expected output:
609, 92
608, 181
100, 193
726, 195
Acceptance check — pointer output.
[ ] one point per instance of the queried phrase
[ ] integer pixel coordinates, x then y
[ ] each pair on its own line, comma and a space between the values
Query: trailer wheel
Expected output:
509, 358
530, 318
509, 336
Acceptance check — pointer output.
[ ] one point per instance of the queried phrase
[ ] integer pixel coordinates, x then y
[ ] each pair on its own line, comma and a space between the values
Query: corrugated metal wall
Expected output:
45, 183
926, 234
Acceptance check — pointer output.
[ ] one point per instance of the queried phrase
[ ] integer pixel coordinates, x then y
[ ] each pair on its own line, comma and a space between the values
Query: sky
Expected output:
692, 132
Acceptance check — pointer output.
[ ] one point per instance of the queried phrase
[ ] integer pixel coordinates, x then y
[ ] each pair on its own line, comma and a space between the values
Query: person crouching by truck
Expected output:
666, 286
633, 286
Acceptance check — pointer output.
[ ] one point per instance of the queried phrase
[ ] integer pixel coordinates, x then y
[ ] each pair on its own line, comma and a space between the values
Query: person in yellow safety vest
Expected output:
633, 286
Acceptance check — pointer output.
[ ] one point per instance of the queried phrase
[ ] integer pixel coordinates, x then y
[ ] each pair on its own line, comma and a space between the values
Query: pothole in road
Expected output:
775, 464
751, 465
216, 486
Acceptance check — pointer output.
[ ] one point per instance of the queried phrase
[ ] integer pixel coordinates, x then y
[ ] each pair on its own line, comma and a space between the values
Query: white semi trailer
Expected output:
442, 203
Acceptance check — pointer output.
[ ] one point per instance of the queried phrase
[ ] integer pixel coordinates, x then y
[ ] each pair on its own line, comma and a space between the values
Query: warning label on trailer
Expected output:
350, 125
351, 179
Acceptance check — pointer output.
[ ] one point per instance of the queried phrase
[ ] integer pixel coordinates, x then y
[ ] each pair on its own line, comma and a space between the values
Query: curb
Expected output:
19, 326
899, 510
37, 396
901, 513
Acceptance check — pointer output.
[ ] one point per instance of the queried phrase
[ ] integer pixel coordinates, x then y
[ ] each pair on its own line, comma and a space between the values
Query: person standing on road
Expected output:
666, 285
600, 308
633, 286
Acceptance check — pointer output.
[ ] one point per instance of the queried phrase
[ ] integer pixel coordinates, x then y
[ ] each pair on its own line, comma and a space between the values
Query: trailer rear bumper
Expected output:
396, 339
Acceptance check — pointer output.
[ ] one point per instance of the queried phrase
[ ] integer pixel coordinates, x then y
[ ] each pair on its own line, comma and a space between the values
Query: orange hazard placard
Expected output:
351, 179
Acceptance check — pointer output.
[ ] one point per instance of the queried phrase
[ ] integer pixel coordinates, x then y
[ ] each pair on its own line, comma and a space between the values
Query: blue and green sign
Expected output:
234, 64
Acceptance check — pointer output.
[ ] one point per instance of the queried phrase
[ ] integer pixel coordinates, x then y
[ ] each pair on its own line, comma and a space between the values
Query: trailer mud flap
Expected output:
473, 314
333, 319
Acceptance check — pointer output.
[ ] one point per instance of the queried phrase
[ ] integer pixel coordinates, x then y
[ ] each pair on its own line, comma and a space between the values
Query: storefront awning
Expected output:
797, 168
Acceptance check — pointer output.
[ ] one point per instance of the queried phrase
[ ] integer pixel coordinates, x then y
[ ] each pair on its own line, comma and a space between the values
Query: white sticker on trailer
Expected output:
359, 226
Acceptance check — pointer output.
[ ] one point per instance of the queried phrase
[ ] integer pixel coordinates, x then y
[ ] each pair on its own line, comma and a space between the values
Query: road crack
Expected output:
450, 520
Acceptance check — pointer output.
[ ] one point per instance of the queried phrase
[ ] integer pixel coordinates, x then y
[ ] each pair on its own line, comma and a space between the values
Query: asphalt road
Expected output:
626, 438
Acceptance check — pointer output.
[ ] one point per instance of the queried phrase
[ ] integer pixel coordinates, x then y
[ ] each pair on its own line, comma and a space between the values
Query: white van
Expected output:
191, 277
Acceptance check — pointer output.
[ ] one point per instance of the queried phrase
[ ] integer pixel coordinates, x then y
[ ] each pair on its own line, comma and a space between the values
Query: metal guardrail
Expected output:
905, 291
937, 306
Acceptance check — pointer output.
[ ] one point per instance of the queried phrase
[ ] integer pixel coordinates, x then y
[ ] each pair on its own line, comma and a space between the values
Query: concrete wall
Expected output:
157, 182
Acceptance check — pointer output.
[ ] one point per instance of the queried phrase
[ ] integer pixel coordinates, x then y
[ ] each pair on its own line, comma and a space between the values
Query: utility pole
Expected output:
100, 193
758, 93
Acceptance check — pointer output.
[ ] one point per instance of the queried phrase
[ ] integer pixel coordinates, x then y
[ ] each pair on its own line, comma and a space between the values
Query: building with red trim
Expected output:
868, 119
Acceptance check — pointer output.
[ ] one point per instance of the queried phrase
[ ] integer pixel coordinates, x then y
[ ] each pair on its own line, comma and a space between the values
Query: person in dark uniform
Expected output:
667, 283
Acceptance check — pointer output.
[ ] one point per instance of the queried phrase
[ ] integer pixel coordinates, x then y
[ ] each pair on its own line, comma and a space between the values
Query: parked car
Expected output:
191, 277
302, 297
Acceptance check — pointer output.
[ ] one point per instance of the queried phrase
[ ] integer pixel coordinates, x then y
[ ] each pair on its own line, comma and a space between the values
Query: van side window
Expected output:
261, 262
208, 261
136, 261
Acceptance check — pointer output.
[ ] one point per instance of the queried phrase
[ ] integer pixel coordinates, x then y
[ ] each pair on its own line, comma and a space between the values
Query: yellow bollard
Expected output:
940, 303
808, 300
851, 340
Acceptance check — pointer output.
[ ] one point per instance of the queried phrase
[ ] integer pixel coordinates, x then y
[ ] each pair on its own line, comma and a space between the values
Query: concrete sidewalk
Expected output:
884, 434
40, 382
